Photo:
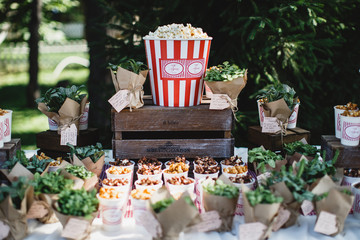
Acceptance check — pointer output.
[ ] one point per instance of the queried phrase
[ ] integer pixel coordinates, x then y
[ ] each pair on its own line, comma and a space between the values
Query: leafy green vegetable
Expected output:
78, 202
295, 183
16, 191
19, 157
94, 152
277, 91
316, 168
79, 171
162, 204
219, 188
300, 147
263, 157
262, 196
51, 183
131, 65
36, 165
54, 98
224, 72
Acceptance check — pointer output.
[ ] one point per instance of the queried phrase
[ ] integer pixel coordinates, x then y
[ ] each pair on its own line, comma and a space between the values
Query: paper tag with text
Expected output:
120, 100
151, 224
282, 217
75, 229
37, 210
69, 135
210, 221
326, 223
251, 231
307, 207
270, 125
219, 102
4, 230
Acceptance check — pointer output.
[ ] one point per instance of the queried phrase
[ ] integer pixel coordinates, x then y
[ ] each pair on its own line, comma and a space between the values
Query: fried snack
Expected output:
118, 170
42, 156
180, 180
352, 172
244, 179
177, 159
233, 161
351, 113
206, 169
110, 193
174, 30
142, 194
348, 106
3, 112
236, 169
115, 182
56, 162
205, 161
149, 162
177, 168
148, 182
146, 170
121, 162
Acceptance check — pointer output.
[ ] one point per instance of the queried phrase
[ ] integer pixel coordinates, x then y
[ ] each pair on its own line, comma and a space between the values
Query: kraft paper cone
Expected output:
47, 200
281, 190
177, 217
133, 82
322, 185
231, 88
18, 171
14, 218
337, 203
278, 165
89, 164
278, 109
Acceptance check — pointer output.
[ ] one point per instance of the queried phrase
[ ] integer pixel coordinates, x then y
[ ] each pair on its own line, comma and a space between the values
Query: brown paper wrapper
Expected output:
15, 218
89, 164
133, 82
337, 203
18, 171
278, 109
296, 157
70, 112
231, 88
46, 200
176, 218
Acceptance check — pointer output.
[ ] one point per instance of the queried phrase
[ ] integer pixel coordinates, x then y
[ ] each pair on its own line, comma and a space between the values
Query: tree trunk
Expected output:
33, 87
99, 84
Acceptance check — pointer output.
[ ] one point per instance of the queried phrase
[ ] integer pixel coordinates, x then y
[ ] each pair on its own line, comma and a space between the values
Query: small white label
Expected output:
210, 221
120, 100
75, 229
282, 217
69, 135
326, 223
219, 102
270, 125
251, 231
37, 210
307, 207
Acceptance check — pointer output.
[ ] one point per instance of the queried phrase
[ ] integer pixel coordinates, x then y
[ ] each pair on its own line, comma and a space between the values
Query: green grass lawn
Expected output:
27, 122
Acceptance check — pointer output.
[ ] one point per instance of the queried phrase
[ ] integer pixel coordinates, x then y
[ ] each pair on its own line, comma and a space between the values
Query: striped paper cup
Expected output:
177, 69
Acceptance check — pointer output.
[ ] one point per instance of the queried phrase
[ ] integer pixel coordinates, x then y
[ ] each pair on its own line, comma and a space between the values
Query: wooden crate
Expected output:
273, 141
48, 142
349, 157
9, 149
166, 132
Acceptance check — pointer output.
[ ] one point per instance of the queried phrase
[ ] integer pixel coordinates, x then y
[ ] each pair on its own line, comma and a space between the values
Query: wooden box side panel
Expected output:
170, 148
9, 149
150, 118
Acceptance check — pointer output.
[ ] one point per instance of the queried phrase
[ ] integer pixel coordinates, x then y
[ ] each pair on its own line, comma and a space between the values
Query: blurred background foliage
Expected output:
310, 45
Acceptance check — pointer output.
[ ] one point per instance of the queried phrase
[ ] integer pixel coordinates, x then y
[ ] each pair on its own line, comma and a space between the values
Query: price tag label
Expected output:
270, 125
251, 231
281, 219
120, 100
4, 230
37, 210
210, 221
69, 135
219, 102
326, 223
150, 223
307, 207
75, 229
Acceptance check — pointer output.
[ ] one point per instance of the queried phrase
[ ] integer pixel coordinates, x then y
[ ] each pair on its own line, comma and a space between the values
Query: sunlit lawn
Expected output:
28, 122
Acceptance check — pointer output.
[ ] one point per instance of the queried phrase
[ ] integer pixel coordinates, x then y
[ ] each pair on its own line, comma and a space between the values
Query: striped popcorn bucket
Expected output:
177, 68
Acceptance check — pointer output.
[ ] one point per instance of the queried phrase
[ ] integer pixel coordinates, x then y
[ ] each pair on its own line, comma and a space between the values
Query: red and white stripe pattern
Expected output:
177, 68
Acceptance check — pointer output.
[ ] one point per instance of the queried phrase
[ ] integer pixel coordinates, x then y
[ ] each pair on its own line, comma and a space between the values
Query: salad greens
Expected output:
300, 147
79, 171
277, 91
262, 196
219, 188
51, 183
19, 157
224, 72
131, 65
94, 152
78, 202
16, 191
162, 204
263, 157
37, 165
54, 98
33, 164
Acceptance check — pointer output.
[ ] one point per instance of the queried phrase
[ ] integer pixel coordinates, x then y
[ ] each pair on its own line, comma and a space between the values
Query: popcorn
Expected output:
3, 112
236, 169
177, 168
179, 31
110, 193
118, 170
115, 182
142, 194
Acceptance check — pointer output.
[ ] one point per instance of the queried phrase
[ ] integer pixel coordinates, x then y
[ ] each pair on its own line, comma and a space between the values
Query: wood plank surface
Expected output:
9, 149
